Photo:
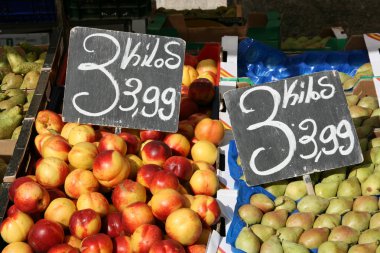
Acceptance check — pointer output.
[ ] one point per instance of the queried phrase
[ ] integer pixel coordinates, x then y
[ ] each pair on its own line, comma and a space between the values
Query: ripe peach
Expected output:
207, 65
201, 91
81, 133
15, 184
199, 165
136, 163
151, 135
186, 129
44, 235
15, 228
112, 142
112, 224
209, 130
187, 108
95, 201
184, 226
51, 172
48, 121
189, 74
178, 143
55, 146
40, 139
207, 208
80, 181
167, 246
82, 155
31, 197
17, 247
146, 173
110, 168
155, 152
122, 244
127, 193
204, 182
204, 151
136, 215
163, 179
63, 248
67, 128
133, 142
188, 200
60, 210
165, 202
180, 166
209, 76
84, 223
55, 193
97, 243
195, 118
72, 241
144, 237
196, 248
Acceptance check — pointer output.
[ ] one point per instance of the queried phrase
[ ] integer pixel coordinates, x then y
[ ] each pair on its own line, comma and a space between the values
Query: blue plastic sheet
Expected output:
263, 64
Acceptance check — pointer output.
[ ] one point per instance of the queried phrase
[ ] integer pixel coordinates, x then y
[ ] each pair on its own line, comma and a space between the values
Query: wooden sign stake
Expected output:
309, 184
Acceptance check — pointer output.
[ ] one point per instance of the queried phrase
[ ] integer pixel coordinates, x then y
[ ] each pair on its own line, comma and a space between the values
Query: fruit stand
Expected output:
140, 179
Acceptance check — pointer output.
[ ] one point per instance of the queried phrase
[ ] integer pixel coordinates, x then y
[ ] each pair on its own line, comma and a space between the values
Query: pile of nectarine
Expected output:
137, 191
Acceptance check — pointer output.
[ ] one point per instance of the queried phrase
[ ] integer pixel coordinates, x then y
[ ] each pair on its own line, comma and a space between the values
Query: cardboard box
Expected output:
190, 4
263, 25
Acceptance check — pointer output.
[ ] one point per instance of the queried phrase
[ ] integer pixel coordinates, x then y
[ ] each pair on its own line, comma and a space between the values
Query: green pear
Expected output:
296, 190
366, 204
364, 131
302, 219
247, 241
362, 172
372, 122
375, 113
375, 221
363, 144
263, 232
275, 219
272, 245
30, 80
349, 188
340, 205
369, 235
314, 237
377, 168
364, 248
276, 188
286, 203
292, 247
344, 77
335, 175
11, 81
372, 155
375, 142
326, 190
250, 214
359, 114
344, 234
350, 83
364, 68
369, 102
371, 186
333, 247
291, 234
356, 220
327, 220
262, 202
351, 99
378, 249
312, 203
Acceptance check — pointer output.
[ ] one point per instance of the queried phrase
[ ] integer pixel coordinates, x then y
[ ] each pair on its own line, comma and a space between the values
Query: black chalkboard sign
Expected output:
292, 127
123, 79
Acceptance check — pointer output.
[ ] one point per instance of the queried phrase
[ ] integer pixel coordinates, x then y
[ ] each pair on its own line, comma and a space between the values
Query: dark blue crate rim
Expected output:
31, 11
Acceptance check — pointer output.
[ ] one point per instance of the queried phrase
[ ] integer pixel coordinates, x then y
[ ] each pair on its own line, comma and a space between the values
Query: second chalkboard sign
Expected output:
293, 127
123, 79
